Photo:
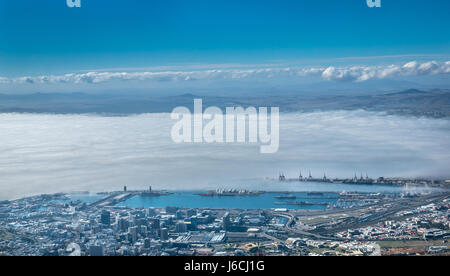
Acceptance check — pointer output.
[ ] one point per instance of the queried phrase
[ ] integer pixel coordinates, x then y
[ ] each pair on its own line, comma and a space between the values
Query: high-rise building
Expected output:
123, 224
147, 243
105, 217
181, 227
179, 214
226, 221
151, 212
133, 231
191, 213
155, 224
141, 221
143, 231
164, 236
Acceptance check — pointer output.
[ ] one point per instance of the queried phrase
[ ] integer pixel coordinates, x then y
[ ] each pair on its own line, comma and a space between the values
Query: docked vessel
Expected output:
290, 197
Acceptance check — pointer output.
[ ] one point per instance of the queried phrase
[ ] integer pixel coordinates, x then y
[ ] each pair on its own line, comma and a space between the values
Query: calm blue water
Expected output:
193, 200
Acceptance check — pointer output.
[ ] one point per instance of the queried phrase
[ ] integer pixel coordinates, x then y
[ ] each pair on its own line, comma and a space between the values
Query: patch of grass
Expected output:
409, 243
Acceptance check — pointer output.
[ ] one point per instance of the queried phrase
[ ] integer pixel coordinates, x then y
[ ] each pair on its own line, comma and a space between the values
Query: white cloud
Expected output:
361, 73
345, 74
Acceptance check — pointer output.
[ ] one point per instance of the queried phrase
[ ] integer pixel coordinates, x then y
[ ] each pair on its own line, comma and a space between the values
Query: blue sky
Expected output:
41, 37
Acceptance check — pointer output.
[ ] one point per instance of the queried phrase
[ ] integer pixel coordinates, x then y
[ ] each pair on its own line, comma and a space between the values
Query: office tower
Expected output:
143, 230
226, 221
105, 217
164, 236
123, 224
155, 223
133, 231
151, 212
147, 243
179, 215
191, 213
181, 227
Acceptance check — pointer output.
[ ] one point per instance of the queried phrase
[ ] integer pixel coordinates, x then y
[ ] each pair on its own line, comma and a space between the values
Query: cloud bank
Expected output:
343, 74
360, 74
61, 153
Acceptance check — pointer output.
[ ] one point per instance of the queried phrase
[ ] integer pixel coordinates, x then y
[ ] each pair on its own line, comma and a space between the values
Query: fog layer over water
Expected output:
63, 153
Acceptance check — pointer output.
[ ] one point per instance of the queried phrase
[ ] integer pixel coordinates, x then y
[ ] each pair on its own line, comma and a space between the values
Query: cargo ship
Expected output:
315, 194
290, 197
221, 193
302, 203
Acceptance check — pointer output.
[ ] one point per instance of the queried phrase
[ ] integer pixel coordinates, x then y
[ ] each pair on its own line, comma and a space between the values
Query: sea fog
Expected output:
46, 153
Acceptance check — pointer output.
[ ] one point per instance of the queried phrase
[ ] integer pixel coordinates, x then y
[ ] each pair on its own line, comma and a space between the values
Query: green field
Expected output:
411, 243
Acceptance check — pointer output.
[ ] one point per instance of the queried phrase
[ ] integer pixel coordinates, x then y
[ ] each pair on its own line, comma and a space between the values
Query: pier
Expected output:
115, 198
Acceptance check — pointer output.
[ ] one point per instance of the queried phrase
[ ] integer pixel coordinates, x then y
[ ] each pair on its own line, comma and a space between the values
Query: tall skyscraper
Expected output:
105, 217
181, 227
164, 234
226, 221
133, 231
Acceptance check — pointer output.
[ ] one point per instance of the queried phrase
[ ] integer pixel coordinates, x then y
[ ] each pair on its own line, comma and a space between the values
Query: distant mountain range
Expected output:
432, 103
